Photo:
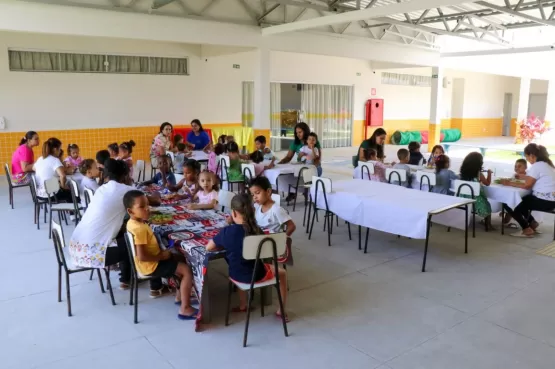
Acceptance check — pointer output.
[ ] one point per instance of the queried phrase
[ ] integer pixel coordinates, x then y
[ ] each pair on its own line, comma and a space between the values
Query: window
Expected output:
406, 80
44, 61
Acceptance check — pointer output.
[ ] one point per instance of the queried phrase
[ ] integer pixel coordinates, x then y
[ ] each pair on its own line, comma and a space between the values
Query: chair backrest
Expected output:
396, 175
34, 188
203, 167
140, 169
467, 188
59, 244
130, 241
223, 161
326, 182
74, 188
428, 177
57, 227
171, 155
366, 167
252, 244
88, 193
8, 174
308, 173
224, 198
248, 171
276, 198
51, 186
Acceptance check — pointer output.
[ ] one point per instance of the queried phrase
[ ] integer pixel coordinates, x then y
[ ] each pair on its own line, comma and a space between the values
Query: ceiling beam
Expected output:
356, 15
520, 50
516, 14
267, 12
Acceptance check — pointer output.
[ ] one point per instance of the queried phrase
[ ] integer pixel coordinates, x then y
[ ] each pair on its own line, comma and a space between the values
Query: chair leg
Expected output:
248, 318
312, 224
62, 228
349, 229
109, 285
359, 237
59, 283
330, 225
131, 289
366, 241
100, 280
45, 212
280, 299
50, 225
37, 216
295, 201
92, 274
68, 295
229, 292
11, 195
262, 295
136, 320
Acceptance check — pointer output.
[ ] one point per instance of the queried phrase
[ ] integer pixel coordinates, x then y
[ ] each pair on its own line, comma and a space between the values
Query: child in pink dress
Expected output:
379, 167
207, 195
73, 159
219, 149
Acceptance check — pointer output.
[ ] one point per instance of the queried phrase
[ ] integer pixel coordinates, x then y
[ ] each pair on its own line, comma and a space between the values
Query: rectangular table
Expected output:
394, 209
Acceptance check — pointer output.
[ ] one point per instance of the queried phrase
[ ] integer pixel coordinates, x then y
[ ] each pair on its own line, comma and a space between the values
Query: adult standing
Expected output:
197, 139
540, 178
49, 166
376, 142
23, 158
161, 143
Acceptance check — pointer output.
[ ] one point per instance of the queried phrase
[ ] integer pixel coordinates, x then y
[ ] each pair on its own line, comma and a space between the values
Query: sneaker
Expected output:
164, 291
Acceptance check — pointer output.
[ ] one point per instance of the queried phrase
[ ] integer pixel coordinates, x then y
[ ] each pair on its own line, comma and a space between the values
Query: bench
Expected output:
482, 149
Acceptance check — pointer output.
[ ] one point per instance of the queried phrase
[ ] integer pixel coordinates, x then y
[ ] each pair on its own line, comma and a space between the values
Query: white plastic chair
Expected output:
257, 248
140, 169
471, 189
368, 168
321, 187
399, 175
52, 186
224, 199
430, 178
248, 172
276, 198
178, 177
88, 195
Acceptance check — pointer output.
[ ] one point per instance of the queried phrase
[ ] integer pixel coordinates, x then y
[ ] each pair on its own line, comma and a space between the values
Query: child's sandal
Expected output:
278, 315
238, 309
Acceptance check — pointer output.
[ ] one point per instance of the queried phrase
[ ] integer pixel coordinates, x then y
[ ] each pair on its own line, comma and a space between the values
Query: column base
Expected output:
434, 135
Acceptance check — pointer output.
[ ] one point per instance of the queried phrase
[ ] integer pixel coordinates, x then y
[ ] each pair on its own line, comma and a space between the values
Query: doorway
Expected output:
536, 105
507, 112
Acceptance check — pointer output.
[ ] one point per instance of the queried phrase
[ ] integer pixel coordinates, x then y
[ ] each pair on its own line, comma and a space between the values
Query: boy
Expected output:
260, 144
150, 260
89, 170
180, 158
416, 157
164, 178
403, 156
520, 168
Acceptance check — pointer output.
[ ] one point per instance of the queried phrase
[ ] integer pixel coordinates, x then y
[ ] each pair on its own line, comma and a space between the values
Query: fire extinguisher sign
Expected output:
373, 92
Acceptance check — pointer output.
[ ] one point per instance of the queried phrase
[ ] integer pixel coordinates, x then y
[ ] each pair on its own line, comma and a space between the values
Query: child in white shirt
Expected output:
310, 154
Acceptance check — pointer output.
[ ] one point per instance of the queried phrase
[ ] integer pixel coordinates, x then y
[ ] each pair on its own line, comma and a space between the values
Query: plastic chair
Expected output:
52, 186
74, 188
224, 166
257, 248
178, 177
249, 174
224, 199
276, 198
471, 189
70, 269
326, 187
11, 186
140, 169
401, 175
430, 178
39, 203
304, 176
368, 168
88, 194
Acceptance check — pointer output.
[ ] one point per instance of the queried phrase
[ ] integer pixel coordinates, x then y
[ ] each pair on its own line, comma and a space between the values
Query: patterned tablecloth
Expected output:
188, 232
164, 193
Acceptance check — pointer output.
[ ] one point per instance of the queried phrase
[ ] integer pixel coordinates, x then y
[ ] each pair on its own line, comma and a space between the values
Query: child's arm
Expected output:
177, 187
211, 246
486, 181
142, 255
290, 227
209, 206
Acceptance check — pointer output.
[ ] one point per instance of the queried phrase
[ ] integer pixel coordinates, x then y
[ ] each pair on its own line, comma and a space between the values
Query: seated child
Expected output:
260, 144
231, 238
403, 156
379, 167
73, 159
444, 176
229, 139
125, 150
150, 260
187, 187
177, 139
222, 139
416, 157
101, 157
207, 192
257, 158
219, 149
521, 165
234, 172
471, 170
436, 152
113, 149
164, 178
310, 154
180, 157
89, 170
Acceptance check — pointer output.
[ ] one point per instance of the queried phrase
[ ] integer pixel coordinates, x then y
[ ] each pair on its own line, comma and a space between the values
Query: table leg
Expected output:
466, 229
205, 304
427, 241
502, 219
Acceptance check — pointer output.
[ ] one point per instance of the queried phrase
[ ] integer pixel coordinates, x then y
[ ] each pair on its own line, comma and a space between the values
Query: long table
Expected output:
393, 209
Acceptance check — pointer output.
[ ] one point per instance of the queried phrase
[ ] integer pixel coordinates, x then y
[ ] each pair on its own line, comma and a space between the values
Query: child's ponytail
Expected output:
242, 204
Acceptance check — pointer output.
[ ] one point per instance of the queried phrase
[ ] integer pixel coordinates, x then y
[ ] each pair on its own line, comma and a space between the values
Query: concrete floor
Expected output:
491, 308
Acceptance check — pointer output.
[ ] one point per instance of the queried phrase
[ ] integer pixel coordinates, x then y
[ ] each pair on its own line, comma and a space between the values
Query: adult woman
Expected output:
92, 243
49, 166
23, 158
197, 139
161, 143
376, 142
301, 135
540, 178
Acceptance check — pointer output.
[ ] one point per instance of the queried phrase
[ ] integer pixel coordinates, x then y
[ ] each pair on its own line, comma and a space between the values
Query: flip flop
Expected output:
521, 235
278, 315
511, 226
237, 309
188, 317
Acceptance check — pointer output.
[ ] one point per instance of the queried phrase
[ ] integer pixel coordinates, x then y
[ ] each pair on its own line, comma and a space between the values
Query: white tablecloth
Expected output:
511, 196
199, 155
279, 169
391, 209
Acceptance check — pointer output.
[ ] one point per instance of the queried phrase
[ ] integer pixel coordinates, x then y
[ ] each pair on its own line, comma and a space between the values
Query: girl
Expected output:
222, 139
89, 169
73, 159
444, 176
371, 155
187, 187
310, 153
207, 192
177, 139
219, 149
164, 178
113, 149
471, 169
231, 238
436, 152
125, 150
257, 158
234, 170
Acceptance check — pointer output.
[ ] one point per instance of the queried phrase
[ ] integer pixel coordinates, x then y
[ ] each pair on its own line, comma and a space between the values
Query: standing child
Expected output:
379, 166
187, 187
219, 149
180, 158
113, 149
207, 192
471, 170
416, 157
436, 152
73, 159
444, 176
403, 156
164, 178
310, 154
125, 150
231, 239
150, 260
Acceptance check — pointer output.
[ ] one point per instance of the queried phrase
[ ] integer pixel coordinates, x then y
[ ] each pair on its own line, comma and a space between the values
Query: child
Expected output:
260, 144
403, 156
234, 170
187, 187
125, 150
222, 139
310, 154
436, 152
150, 260
73, 159
471, 170
177, 139
416, 157
231, 238
219, 149
521, 165
379, 167
444, 176
113, 149
164, 178
257, 158
101, 157
229, 139
89, 170
180, 158
207, 192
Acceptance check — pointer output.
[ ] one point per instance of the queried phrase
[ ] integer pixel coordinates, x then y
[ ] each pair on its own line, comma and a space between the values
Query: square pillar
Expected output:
261, 124
550, 103
435, 108
522, 107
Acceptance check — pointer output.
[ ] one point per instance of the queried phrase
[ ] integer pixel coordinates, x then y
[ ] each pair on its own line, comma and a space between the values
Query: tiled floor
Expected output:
491, 308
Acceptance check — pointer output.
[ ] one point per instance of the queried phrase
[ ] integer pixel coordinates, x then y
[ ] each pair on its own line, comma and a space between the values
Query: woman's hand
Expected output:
505, 182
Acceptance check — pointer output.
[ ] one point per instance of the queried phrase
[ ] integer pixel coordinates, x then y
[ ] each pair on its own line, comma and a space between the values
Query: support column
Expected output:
435, 108
522, 109
550, 104
261, 124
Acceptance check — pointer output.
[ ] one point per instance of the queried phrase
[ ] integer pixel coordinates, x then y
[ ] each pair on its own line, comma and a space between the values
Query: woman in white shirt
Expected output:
49, 166
540, 178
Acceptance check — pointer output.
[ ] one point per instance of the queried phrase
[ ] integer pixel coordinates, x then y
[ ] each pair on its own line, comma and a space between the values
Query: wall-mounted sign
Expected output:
236, 66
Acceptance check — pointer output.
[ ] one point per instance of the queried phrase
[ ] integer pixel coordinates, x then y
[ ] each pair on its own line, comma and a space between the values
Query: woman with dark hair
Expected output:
376, 142
161, 143
471, 170
540, 178
23, 158
49, 166
302, 130
197, 139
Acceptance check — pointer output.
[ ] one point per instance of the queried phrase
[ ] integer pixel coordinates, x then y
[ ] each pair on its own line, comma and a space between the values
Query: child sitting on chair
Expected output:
260, 144
437, 150
521, 165
219, 149
403, 156
310, 154
164, 178
257, 158
89, 170
180, 157
416, 157
379, 167
444, 176
207, 192
231, 239
187, 187
471, 170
